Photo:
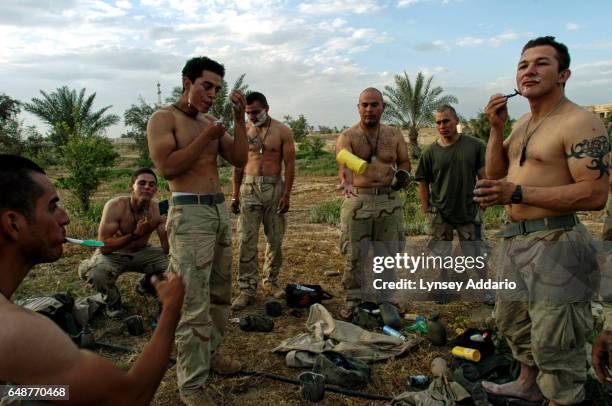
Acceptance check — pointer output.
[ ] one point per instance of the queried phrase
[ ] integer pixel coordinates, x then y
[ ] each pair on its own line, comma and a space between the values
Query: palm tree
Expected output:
70, 113
412, 107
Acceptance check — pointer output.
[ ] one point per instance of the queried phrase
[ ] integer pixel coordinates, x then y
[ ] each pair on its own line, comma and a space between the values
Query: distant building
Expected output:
603, 110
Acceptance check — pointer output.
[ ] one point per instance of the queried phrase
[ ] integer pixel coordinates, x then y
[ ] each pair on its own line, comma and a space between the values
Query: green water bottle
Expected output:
419, 326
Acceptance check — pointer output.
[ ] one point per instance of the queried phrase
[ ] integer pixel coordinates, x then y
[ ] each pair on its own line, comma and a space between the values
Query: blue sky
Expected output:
309, 57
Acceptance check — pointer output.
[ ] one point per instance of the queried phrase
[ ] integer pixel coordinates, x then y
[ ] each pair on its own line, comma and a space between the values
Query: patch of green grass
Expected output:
494, 216
307, 163
415, 221
225, 175
326, 212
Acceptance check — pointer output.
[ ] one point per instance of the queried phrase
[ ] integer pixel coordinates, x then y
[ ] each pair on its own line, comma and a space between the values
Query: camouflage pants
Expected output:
607, 228
259, 204
201, 252
546, 319
471, 237
366, 218
102, 270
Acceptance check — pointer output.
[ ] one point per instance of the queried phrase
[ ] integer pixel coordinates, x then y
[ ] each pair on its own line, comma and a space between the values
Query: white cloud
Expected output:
339, 6
124, 4
332, 25
437, 45
407, 3
572, 26
494, 41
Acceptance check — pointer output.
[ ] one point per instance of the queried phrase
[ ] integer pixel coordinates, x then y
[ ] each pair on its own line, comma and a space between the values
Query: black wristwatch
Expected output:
135, 236
517, 195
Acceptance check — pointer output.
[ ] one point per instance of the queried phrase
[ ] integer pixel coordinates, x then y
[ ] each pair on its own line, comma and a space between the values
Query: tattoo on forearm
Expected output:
594, 148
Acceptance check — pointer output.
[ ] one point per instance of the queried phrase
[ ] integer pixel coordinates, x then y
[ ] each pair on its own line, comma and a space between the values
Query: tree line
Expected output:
76, 135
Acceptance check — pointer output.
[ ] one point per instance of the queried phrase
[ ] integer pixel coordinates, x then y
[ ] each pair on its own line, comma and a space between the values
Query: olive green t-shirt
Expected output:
451, 173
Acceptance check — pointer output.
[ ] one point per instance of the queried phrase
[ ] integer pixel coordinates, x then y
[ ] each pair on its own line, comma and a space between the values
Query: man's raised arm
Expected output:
168, 158
346, 176
236, 150
92, 380
496, 156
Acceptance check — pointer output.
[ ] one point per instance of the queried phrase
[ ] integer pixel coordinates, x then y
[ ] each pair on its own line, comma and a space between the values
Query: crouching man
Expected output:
126, 225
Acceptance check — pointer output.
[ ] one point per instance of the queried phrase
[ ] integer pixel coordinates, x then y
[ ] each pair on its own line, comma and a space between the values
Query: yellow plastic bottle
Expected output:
353, 162
466, 353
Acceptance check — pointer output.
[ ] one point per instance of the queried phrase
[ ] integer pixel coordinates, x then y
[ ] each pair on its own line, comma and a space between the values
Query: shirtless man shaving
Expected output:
35, 351
372, 210
554, 164
125, 228
261, 196
184, 143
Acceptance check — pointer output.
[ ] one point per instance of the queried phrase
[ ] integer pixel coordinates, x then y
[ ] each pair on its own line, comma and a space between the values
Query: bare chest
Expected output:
381, 146
188, 129
542, 146
262, 140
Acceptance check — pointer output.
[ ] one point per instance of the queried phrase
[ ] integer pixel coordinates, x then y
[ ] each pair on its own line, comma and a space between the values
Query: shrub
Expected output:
326, 212
86, 160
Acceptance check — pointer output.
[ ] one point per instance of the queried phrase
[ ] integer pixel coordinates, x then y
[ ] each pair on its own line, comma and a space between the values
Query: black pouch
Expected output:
302, 296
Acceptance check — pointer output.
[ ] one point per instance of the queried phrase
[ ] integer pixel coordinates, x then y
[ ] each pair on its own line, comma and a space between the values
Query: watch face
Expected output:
517, 195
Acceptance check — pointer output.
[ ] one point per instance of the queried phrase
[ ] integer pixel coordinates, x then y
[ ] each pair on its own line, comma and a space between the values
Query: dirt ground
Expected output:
309, 251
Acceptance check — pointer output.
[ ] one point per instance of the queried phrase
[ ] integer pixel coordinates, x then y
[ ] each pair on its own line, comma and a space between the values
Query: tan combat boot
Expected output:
242, 301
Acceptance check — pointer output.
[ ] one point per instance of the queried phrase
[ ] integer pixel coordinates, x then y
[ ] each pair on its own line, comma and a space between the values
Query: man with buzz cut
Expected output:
553, 164
447, 173
262, 196
184, 142
35, 351
125, 228
372, 210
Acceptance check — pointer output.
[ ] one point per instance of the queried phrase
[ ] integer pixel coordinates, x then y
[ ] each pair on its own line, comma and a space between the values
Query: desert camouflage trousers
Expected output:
201, 252
374, 215
546, 320
259, 198
102, 270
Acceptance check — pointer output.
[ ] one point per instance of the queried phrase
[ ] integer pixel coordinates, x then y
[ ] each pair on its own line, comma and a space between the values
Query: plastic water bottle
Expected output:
390, 331
419, 326
418, 381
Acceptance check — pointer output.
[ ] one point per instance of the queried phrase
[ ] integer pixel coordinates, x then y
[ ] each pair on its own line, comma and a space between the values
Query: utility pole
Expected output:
159, 102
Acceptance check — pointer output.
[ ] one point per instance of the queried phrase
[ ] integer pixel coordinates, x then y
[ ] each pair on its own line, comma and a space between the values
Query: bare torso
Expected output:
121, 213
546, 163
268, 163
203, 176
386, 153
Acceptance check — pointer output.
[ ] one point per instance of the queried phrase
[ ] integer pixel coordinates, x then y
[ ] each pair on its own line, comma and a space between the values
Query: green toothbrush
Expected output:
86, 243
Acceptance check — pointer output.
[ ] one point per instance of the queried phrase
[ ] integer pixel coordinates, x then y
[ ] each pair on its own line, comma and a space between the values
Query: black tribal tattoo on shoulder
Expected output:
594, 148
